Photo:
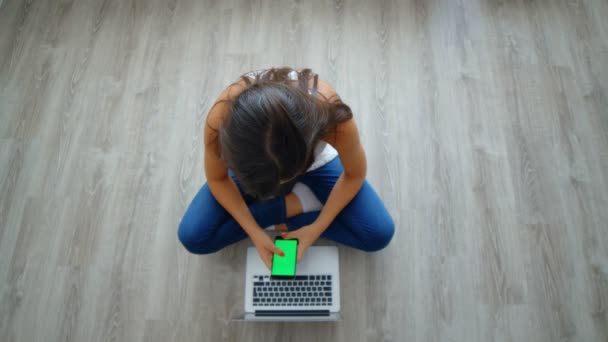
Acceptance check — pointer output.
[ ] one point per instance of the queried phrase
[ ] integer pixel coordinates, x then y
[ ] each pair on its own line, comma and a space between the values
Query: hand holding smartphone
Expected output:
284, 267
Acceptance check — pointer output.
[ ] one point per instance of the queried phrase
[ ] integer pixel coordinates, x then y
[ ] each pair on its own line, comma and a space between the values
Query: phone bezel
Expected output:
283, 277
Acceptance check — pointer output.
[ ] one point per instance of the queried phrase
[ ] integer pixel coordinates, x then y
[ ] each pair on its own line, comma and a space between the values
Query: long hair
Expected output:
272, 127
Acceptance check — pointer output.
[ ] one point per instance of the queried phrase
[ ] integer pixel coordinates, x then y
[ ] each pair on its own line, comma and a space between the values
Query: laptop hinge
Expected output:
316, 313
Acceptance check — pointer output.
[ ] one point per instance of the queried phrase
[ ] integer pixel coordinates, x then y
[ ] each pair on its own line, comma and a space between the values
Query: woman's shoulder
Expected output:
327, 91
220, 108
328, 94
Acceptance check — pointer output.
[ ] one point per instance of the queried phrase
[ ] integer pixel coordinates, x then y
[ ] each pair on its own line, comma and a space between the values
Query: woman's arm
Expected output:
223, 187
220, 183
349, 183
351, 153
345, 139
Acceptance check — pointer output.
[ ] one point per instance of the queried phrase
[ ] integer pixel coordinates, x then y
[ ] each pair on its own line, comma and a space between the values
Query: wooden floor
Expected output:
485, 124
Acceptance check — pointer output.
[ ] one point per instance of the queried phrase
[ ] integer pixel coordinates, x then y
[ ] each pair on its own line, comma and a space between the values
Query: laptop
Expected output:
313, 295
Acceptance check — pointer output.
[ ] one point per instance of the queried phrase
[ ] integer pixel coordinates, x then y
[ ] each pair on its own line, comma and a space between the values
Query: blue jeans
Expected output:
364, 223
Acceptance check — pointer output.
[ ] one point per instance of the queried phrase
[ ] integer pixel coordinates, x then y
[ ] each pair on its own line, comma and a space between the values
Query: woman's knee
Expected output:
193, 238
382, 231
198, 224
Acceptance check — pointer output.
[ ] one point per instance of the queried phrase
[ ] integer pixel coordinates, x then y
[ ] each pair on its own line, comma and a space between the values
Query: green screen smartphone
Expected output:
284, 266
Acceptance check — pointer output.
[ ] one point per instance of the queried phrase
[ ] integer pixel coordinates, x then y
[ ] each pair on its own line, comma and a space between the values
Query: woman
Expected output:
282, 149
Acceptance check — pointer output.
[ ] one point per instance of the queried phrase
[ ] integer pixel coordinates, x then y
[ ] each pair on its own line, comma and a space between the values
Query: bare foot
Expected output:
293, 207
281, 227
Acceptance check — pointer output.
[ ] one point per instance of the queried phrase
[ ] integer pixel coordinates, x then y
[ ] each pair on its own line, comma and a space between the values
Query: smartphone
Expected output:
284, 267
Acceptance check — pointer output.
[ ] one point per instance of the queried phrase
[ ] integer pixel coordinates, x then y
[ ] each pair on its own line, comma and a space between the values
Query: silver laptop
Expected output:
313, 295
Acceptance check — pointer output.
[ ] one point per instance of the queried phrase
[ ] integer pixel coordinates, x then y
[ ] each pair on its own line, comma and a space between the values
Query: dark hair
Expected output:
273, 126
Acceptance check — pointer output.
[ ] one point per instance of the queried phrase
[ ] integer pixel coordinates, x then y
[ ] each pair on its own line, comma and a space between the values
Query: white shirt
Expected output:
324, 153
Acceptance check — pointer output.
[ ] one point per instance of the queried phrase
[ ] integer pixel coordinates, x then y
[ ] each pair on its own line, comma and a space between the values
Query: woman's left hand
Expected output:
306, 236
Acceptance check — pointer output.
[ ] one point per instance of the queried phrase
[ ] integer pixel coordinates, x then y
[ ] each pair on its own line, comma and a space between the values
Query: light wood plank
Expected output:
485, 125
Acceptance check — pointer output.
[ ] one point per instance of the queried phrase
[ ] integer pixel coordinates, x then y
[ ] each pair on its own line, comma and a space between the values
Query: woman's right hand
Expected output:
265, 246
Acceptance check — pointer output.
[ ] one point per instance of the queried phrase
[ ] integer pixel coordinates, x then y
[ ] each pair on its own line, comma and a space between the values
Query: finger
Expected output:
300, 253
267, 261
276, 250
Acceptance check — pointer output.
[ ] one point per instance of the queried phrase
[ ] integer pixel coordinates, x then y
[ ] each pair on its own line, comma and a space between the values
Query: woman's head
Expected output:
269, 135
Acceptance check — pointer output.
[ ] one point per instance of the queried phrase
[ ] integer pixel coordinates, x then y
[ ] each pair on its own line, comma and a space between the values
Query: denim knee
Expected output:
191, 238
384, 229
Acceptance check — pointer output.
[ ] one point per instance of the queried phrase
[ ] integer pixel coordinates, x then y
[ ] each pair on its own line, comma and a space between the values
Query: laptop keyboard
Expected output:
303, 290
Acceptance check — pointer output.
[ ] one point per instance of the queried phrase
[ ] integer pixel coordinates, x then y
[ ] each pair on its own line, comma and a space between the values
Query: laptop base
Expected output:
251, 317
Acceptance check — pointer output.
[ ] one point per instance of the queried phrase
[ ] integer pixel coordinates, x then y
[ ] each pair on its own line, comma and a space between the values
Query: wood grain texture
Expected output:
485, 125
